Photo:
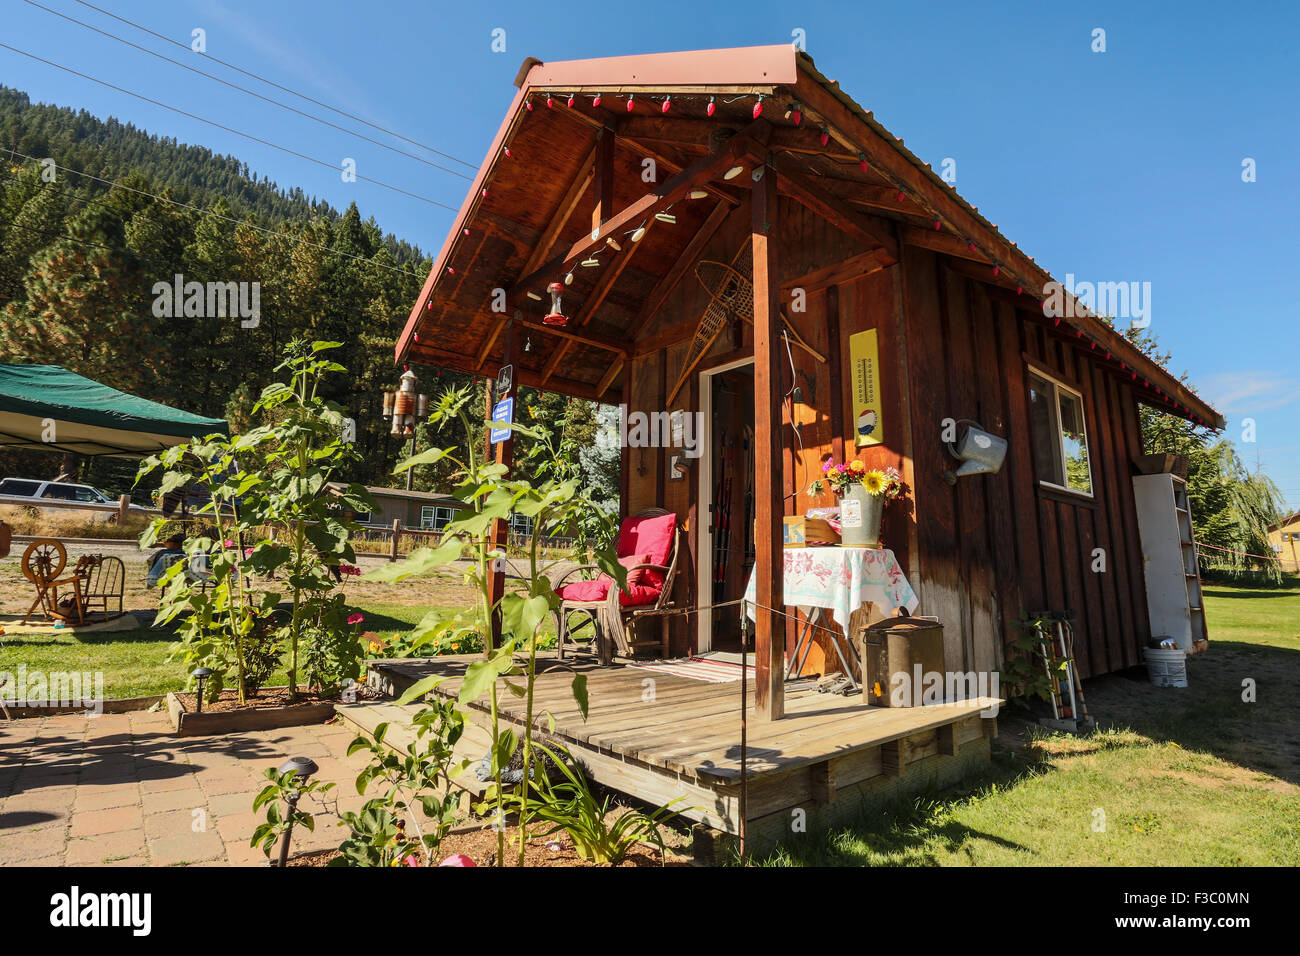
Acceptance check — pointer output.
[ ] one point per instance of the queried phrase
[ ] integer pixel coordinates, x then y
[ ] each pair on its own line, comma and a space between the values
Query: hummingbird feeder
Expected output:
555, 317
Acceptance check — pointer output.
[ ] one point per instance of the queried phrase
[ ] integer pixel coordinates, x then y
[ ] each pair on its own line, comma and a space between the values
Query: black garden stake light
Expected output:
200, 674
301, 768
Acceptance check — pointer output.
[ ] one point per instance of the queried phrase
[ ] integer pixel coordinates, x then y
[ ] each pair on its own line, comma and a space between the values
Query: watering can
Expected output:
979, 452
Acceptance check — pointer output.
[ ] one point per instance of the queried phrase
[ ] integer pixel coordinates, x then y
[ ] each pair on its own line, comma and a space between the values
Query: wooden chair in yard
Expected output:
648, 543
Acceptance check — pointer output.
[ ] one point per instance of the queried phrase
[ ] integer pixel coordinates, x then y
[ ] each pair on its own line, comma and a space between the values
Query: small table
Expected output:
839, 580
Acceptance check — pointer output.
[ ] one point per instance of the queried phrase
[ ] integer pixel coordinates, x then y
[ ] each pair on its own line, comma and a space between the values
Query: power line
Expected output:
235, 86
285, 89
231, 219
228, 129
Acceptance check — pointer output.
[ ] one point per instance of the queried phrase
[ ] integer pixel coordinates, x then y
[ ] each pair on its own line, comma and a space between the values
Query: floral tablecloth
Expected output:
840, 580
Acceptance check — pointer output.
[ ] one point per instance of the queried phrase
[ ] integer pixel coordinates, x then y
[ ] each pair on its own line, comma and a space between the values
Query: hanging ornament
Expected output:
596, 100
555, 317
467, 232
528, 344
529, 104
568, 278
428, 306
450, 271
550, 103
711, 108
417, 336
936, 225
667, 104
506, 150
995, 270
901, 195
631, 101
758, 107
825, 136
1019, 290
862, 162
796, 114
970, 245
485, 192
570, 104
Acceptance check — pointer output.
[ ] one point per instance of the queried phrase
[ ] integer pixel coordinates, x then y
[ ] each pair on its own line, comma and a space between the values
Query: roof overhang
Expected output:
787, 74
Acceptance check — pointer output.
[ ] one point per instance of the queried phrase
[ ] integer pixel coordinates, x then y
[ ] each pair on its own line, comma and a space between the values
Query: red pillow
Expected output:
630, 562
648, 536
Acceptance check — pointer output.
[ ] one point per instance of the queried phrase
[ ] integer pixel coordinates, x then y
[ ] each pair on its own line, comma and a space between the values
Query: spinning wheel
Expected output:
44, 560
42, 563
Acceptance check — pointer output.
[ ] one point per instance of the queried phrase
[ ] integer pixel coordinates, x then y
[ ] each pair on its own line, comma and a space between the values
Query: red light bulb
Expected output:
668, 102
631, 101
797, 115
758, 107
825, 136
549, 102
862, 161
529, 104
901, 197
712, 107
570, 103
596, 101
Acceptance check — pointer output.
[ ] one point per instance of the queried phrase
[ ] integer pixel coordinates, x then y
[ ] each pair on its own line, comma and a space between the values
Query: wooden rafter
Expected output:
667, 193
837, 213
664, 287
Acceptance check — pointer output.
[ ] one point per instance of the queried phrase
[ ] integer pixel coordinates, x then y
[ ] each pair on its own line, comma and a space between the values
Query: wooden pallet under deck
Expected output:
658, 737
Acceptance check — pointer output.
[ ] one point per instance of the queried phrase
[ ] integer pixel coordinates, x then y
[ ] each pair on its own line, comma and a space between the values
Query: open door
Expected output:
726, 496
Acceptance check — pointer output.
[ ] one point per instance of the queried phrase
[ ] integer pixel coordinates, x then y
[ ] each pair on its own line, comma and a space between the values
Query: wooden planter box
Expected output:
190, 724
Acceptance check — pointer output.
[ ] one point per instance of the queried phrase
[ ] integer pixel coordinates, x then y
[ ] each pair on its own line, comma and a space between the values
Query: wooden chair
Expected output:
619, 627
103, 583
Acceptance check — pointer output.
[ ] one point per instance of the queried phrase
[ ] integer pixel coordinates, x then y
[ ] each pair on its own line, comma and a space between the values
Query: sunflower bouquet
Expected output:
886, 484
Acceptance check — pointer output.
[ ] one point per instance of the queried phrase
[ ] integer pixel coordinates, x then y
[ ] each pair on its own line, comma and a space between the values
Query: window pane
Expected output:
1075, 442
1042, 430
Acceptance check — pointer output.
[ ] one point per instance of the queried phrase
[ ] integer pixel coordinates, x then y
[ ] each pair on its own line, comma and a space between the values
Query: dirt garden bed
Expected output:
268, 709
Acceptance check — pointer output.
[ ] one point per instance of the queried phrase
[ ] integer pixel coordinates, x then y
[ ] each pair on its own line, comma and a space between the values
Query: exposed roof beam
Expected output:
665, 286
701, 171
837, 213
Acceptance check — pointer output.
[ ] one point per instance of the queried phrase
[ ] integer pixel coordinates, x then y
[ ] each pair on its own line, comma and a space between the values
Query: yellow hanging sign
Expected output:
864, 355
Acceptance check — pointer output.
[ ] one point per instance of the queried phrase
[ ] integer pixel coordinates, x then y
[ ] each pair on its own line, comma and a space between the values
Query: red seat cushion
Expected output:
635, 596
638, 576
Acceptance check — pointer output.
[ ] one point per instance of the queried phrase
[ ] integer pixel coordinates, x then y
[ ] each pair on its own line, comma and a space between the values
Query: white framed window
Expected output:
521, 524
435, 517
1059, 435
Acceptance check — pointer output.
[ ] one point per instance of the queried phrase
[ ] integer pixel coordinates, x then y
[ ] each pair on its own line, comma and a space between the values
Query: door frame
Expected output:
704, 497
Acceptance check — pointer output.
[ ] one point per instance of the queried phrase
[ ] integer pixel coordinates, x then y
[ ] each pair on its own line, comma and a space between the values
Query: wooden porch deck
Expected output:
826, 757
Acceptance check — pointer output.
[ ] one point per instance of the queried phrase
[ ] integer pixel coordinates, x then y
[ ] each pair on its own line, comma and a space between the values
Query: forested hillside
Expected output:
94, 212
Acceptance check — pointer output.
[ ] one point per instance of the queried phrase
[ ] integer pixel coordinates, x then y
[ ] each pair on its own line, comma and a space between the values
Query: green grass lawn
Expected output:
1193, 776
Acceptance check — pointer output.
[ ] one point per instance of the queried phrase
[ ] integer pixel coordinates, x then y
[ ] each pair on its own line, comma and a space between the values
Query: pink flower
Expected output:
411, 861
356, 618
229, 543
458, 859
826, 466
349, 569
248, 552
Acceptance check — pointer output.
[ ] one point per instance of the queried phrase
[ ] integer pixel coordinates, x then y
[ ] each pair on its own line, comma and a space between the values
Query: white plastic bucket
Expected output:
1167, 668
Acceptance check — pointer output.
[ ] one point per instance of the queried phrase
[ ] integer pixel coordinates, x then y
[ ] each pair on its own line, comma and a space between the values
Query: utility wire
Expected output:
235, 86
231, 219
285, 89
228, 129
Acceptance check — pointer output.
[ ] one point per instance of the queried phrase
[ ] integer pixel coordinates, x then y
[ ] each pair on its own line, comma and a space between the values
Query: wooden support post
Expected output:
504, 454
769, 647
948, 740
397, 534
123, 506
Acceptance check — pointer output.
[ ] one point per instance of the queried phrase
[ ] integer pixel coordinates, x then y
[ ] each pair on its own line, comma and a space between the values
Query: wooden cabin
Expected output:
1284, 537
644, 185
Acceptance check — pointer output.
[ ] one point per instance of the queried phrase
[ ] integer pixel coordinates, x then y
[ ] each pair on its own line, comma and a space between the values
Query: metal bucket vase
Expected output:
859, 517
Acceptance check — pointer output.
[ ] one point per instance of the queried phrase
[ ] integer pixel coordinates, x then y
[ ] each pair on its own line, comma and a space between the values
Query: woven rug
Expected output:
696, 668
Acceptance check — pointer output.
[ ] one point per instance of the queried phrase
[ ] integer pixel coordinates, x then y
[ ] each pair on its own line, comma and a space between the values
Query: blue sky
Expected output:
1116, 166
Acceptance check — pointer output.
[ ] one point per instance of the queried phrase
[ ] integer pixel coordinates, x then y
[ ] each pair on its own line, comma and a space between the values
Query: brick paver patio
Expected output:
121, 790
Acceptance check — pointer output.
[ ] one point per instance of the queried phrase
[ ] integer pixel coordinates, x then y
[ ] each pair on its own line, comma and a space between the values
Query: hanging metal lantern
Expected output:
555, 317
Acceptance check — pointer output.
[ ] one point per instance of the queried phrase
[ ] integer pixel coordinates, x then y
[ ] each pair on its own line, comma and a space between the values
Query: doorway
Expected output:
726, 496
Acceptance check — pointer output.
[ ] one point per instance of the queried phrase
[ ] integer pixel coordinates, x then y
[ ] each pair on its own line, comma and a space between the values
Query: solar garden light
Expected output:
200, 674
301, 768
405, 408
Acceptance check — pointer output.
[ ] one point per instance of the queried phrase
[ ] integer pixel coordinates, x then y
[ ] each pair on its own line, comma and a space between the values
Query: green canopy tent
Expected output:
48, 408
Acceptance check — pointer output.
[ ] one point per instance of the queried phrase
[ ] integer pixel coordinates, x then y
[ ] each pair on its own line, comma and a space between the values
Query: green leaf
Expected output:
420, 688
419, 561
480, 675
423, 458
580, 693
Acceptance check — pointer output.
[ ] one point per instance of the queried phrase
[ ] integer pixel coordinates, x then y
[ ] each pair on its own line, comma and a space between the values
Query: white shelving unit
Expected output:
1174, 603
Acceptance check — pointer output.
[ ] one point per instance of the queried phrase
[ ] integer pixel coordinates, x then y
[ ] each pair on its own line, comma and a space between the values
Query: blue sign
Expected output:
503, 412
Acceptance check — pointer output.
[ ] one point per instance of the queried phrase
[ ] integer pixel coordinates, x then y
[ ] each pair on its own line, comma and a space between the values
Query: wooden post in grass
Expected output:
397, 534
123, 505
